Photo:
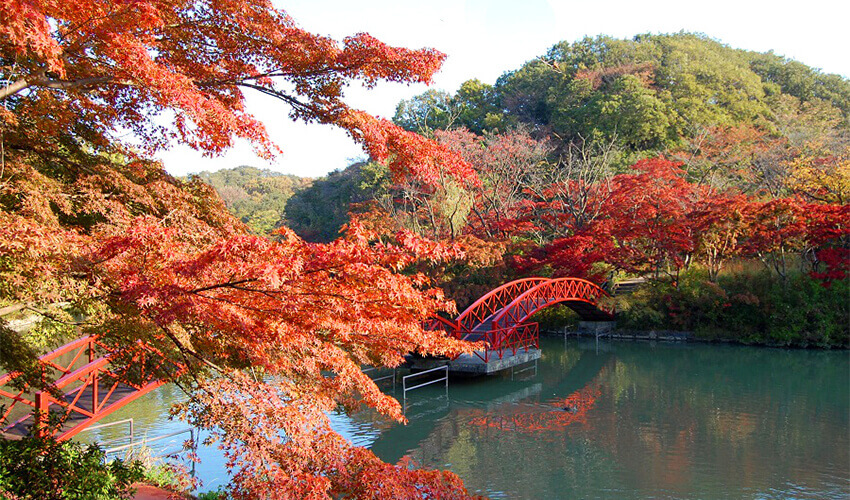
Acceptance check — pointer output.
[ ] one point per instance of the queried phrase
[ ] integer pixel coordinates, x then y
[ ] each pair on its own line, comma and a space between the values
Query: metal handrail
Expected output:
406, 377
531, 366
378, 379
146, 441
111, 424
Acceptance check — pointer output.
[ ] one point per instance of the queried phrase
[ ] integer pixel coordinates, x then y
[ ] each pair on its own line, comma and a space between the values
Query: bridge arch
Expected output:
499, 317
493, 301
580, 295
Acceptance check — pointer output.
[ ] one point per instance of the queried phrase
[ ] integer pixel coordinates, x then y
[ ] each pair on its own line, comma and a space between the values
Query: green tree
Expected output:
318, 212
43, 469
426, 112
478, 108
257, 197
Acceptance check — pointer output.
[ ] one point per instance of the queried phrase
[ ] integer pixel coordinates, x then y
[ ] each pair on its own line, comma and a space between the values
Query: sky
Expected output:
485, 38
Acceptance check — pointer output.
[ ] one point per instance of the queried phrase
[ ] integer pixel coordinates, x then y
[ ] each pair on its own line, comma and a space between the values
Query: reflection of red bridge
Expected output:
88, 386
499, 318
554, 416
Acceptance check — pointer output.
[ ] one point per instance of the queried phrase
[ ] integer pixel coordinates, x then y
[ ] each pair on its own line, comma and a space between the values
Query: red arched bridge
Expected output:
500, 317
87, 386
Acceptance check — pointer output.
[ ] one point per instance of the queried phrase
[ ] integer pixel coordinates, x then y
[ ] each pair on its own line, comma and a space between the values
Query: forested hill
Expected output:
650, 93
258, 197
315, 209
737, 119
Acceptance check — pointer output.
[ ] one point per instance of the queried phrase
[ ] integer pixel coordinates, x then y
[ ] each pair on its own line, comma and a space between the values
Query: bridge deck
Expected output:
22, 426
474, 365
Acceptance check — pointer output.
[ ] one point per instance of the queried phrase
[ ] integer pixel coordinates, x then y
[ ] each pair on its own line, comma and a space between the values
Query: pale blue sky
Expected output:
485, 38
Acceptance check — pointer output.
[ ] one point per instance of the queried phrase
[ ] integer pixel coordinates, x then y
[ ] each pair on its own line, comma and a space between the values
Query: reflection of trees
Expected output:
427, 411
665, 420
499, 446
556, 415
725, 418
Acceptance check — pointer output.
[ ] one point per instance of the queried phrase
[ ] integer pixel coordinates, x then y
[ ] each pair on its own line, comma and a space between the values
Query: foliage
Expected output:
256, 197
218, 494
650, 94
317, 213
426, 112
144, 257
750, 307
507, 164
754, 167
192, 61
161, 471
141, 256
473, 107
41, 468
824, 178
802, 82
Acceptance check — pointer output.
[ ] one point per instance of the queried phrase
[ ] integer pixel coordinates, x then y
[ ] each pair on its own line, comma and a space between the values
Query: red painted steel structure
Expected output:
83, 395
493, 301
499, 317
581, 295
513, 339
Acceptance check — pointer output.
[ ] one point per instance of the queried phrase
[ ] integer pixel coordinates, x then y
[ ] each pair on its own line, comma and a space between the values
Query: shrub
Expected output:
44, 469
750, 307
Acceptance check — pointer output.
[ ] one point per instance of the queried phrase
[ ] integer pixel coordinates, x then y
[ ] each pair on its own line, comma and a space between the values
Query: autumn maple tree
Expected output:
91, 229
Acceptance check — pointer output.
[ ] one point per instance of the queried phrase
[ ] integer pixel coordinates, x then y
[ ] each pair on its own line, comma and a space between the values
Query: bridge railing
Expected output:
512, 339
50, 368
494, 300
547, 293
440, 323
86, 393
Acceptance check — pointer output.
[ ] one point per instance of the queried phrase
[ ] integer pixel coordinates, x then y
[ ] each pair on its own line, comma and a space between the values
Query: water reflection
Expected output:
625, 419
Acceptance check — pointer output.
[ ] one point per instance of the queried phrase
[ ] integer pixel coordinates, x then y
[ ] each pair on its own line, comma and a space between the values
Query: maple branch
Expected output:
243, 306
50, 83
292, 101
54, 318
266, 293
4, 311
229, 284
184, 349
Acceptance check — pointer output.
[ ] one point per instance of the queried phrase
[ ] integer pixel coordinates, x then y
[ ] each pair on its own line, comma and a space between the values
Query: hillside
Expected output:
651, 93
753, 122
317, 212
257, 197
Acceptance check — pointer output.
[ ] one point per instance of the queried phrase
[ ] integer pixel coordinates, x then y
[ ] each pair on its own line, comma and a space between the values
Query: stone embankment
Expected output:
613, 333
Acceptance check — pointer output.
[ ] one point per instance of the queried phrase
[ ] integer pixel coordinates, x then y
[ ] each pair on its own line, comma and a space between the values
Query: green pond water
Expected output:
609, 420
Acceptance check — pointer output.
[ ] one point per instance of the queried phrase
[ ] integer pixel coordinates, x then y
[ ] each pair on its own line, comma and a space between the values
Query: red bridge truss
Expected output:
89, 385
499, 318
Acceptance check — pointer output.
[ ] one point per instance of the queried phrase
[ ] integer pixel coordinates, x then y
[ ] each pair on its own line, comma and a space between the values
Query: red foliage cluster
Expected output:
655, 221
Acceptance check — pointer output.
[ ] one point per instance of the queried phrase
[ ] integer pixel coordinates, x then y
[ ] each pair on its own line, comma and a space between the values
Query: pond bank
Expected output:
676, 336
